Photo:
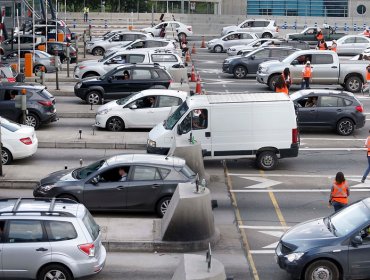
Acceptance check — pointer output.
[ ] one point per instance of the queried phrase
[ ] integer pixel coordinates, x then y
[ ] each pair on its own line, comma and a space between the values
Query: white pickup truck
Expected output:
327, 70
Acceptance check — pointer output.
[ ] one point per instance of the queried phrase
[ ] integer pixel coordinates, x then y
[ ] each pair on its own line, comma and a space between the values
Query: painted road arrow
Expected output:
264, 183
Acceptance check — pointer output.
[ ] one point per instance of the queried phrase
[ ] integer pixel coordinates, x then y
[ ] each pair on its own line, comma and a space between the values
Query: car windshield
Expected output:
123, 101
175, 116
107, 57
108, 74
82, 173
349, 219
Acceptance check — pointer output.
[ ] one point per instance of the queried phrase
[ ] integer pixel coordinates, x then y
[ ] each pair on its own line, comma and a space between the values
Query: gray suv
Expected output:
48, 239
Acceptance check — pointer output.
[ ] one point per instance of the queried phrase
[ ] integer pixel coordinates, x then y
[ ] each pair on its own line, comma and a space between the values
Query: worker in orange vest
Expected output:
319, 35
280, 85
306, 75
334, 46
321, 45
367, 171
367, 32
339, 192
367, 85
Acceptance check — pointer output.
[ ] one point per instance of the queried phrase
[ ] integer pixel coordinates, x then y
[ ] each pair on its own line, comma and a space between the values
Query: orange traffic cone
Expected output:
193, 78
187, 57
203, 46
193, 50
198, 87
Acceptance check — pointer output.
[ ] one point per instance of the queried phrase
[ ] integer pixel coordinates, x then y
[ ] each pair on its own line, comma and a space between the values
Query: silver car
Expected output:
26, 42
232, 39
49, 239
351, 44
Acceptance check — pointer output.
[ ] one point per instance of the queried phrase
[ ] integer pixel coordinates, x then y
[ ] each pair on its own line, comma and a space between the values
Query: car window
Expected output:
186, 170
91, 225
129, 37
311, 31
117, 38
347, 102
195, 120
140, 36
136, 58
259, 24
232, 37
361, 40
350, 40
153, 44
2, 227
303, 58
164, 58
169, 101
59, 230
330, 101
137, 45
247, 24
21, 231
155, 74
246, 36
322, 59
146, 173
164, 172
141, 74
278, 53
365, 234
114, 174
262, 54
144, 102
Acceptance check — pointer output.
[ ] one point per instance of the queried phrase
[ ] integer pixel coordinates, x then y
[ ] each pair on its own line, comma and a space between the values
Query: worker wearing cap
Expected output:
306, 75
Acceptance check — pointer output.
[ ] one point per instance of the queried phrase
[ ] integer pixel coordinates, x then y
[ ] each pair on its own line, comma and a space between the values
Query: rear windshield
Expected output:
10, 126
45, 94
91, 226
187, 171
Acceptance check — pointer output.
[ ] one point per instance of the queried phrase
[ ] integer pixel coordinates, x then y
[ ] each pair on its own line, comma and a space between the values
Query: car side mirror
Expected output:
133, 106
295, 62
129, 48
95, 180
179, 130
253, 57
356, 240
110, 79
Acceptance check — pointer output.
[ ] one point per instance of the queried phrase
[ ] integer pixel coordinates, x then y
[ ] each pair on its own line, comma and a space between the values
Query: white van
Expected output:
261, 126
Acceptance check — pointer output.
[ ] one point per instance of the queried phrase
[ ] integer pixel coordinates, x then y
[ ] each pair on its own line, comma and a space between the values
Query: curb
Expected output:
89, 145
77, 115
17, 184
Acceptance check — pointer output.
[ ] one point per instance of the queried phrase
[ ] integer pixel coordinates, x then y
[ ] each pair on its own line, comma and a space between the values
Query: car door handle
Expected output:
41, 249
339, 110
155, 186
334, 67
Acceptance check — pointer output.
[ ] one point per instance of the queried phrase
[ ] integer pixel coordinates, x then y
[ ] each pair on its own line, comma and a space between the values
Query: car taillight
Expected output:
11, 80
46, 103
359, 108
88, 249
26, 141
294, 136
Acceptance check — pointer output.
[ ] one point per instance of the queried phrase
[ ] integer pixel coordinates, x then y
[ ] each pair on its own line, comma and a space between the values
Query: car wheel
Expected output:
322, 270
115, 124
272, 81
354, 84
98, 51
6, 156
54, 271
88, 75
32, 120
267, 160
240, 72
162, 206
93, 97
345, 127
218, 49
266, 35
67, 196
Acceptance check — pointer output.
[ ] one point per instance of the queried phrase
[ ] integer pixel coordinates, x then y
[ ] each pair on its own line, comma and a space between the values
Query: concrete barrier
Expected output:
179, 74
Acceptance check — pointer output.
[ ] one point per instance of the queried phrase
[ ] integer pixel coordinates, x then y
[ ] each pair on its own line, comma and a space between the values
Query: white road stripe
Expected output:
291, 175
333, 139
262, 251
263, 227
294, 190
331, 149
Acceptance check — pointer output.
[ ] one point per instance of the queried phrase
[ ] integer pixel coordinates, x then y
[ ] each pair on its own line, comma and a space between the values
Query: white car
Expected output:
232, 39
19, 141
155, 43
351, 44
143, 109
236, 50
90, 68
175, 26
264, 28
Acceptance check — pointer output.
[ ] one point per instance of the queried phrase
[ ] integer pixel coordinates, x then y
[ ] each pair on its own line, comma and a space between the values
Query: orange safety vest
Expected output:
368, 146
367, 74
319, 36
367, 33
284, 89
339, 192
307, 72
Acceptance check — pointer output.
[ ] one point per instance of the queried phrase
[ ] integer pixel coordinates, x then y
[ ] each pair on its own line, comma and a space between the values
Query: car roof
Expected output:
146, 159
139, 65
318, 91
171, 92
22, 85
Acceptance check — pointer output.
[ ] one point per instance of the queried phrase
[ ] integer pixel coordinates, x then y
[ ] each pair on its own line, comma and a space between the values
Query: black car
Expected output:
323, 108
115, 84
148, 184
335, 247
40, 104
59, 48
241, 66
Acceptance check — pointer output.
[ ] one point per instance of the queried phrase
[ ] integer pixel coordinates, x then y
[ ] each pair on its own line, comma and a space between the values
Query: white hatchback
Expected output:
143, 109
232, 39
181, 29
19, 141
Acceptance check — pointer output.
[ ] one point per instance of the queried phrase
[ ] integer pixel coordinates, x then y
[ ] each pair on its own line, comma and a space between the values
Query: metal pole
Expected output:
65, 18
56, 57
1, 153
19, 44
33, 30
68, 54
56, 20
46, 25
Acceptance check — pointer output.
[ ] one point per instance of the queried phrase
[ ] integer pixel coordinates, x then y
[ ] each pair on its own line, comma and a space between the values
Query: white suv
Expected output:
264, 28
48, 239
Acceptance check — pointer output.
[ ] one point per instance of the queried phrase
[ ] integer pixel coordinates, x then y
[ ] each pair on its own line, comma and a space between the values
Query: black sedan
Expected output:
331, 248
333, 109
131, 182
121, 82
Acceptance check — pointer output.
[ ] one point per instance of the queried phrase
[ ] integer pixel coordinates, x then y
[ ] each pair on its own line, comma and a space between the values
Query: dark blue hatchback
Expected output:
330, 248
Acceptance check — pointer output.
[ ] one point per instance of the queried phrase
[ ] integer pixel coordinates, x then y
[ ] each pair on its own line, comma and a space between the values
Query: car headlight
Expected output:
232, 49
151, 143
264, 69
46, 188
78, 85
294, 257
103, 112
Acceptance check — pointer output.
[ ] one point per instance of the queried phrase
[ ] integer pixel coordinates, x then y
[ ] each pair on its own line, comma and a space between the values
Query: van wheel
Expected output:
6, 156
322, 270
54, 271
218, 49
267, 160
115, 124
266, 35
272, 81
345, 127
240, 72
354, 84
93, 97
32, 120
98, 51
162, 206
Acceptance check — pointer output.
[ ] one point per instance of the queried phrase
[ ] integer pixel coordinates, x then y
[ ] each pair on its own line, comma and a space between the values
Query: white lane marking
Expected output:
332, 149
294, 190
263, 227
333, 139
275, 233
264, 183
262, 251
292, 175
272, 245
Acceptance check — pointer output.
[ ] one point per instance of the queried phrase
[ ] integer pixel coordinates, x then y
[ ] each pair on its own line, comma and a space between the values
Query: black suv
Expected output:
324, 108
241, 66
40, 104
116, 83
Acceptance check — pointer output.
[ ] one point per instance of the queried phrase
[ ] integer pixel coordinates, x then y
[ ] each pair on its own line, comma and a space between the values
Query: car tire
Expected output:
322, 269
37, 68
240, 72
32, 120
50, 272
115, 124
68, 196
162, 206
272, 81
267, 160
218, 49
345, 127
93, 97
98, 51
353, 84
88, 75
7, 157
266, 35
